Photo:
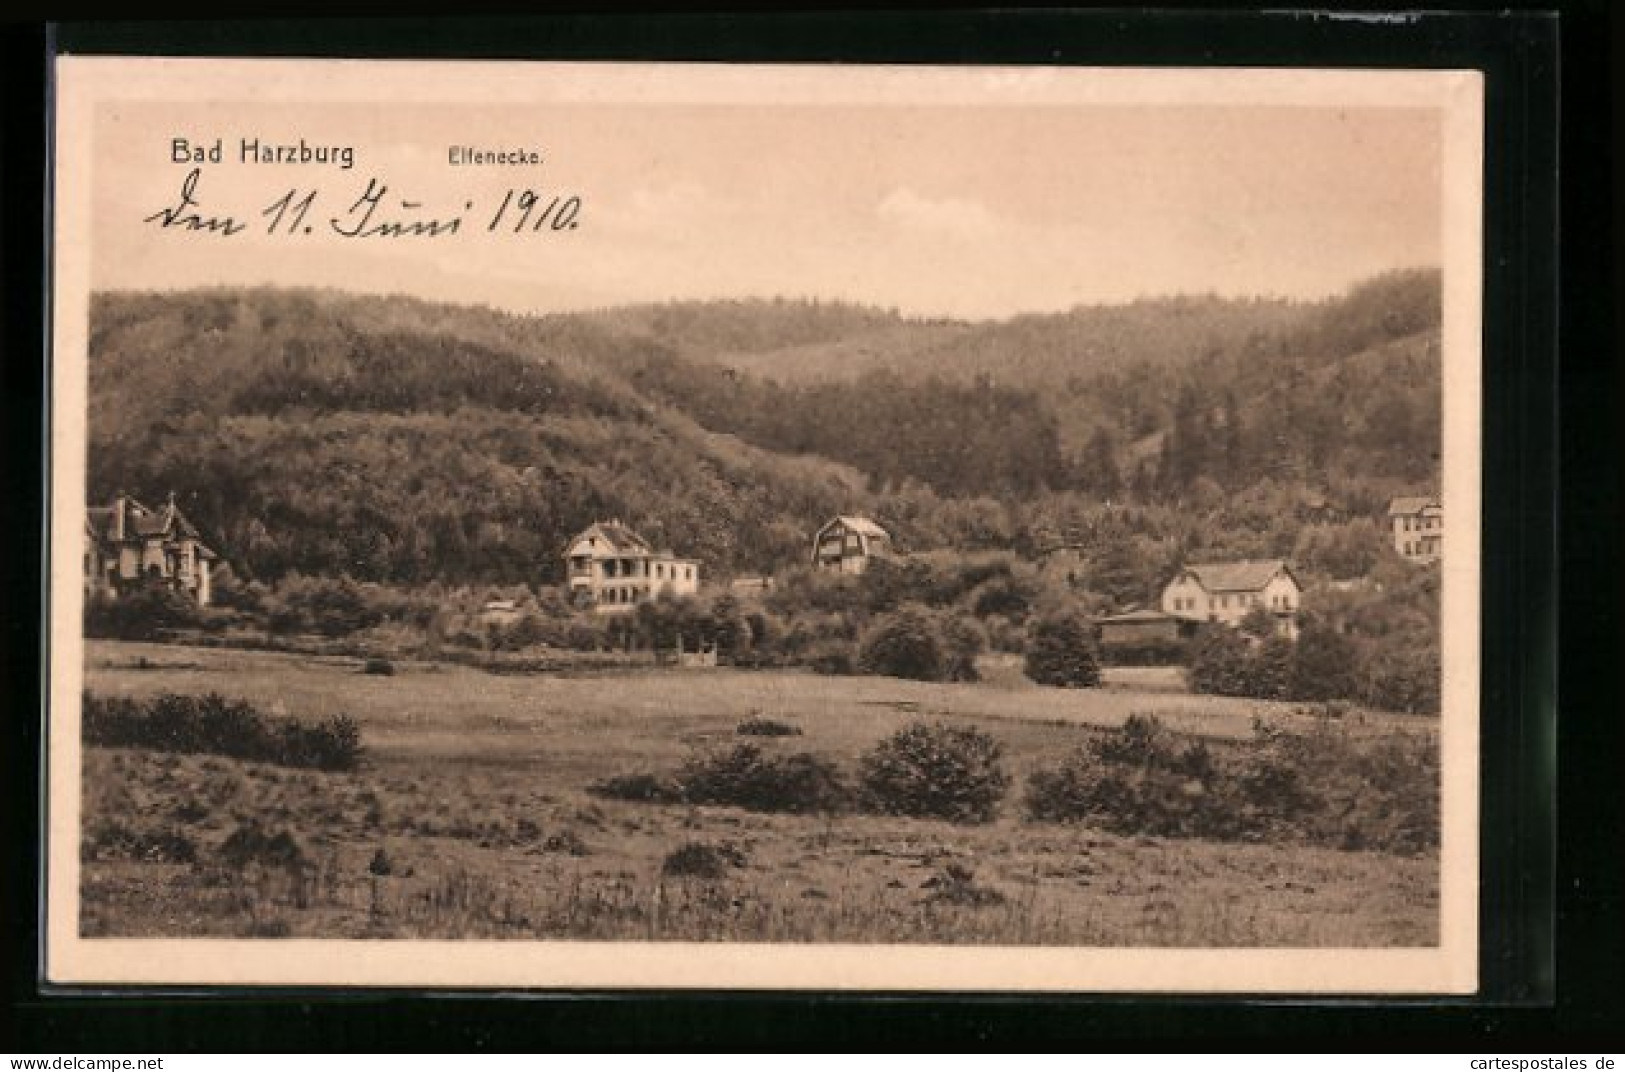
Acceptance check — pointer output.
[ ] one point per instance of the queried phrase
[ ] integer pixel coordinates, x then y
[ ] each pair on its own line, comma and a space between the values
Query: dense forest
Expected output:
393, 440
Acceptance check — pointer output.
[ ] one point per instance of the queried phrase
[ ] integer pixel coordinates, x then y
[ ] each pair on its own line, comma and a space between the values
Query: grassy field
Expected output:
472, 818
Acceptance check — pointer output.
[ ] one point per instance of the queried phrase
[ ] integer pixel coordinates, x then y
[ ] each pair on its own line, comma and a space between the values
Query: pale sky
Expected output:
966, 210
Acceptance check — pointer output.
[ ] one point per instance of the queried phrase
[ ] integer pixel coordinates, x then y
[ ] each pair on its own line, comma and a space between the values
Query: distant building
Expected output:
128, 544
846, 545
1141, 627
1228, 591
1417, 525
616, 569
750, 587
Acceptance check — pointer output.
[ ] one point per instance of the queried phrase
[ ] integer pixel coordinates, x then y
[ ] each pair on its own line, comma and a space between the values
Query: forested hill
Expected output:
393, 439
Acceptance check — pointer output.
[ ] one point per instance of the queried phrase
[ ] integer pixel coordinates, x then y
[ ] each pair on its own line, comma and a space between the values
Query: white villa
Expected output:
617, 569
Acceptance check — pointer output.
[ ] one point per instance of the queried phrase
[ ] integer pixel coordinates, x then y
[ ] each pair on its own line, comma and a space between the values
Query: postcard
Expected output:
836, 527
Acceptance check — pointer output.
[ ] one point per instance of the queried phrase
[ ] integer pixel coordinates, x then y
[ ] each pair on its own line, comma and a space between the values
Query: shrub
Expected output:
700, 860
1325, 665
1404, 678
744, 777
1219, 662
1061, 652
212, 724
251, 843
936, 771
379, 667
1322, 788
643, 787
144, 612
757, 726
906, 644
830, 657
963, 639
956, 884
112, 840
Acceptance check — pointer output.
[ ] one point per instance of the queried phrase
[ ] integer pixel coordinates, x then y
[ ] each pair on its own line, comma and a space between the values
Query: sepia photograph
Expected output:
667, 525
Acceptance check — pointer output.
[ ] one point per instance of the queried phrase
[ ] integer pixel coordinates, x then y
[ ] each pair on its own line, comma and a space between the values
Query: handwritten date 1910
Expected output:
372, 214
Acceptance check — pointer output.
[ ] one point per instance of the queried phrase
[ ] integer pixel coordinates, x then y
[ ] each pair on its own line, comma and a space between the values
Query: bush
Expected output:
1220, 662
744, 777
905, 644
699, 860
1325, 665
215, 725
146, 611
1322, 788
642, 787
378, 667
936, 771
757, 726
251, 843
830, 657
1061, 652
110, 839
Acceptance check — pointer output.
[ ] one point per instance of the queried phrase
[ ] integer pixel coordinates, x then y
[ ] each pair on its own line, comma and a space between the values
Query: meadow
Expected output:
472, 816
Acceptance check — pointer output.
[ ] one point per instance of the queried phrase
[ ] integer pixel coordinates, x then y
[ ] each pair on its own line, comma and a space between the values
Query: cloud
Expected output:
949, 217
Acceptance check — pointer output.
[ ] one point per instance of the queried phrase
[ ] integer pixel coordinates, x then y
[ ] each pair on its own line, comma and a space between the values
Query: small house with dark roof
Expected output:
1228, 591
1416, 523
615, 569
1143, 627
128, 544
846, 544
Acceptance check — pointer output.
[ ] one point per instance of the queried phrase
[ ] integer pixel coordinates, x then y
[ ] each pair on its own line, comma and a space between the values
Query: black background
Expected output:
1536, 515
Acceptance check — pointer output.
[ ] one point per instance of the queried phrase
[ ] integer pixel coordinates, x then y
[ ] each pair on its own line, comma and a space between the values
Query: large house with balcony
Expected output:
1228, 591
128, 544
847, 544
614, 569
1417, 525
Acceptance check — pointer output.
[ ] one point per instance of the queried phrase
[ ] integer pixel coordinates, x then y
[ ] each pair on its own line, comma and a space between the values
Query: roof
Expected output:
1143, 615
861, 525
1238, 576
1412, 504
143, 521
620, 539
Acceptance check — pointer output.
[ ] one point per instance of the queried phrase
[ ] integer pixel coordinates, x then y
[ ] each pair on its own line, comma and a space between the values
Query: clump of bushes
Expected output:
144, 612
757, 726
936, 771
912, 642
698, 859
252, 843
1323, 788
212, 724
642, 787
1061, 651
112, 840
746, 777
1391, 673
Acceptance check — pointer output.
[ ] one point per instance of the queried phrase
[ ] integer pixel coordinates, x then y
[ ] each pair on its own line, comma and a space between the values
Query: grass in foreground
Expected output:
474, 820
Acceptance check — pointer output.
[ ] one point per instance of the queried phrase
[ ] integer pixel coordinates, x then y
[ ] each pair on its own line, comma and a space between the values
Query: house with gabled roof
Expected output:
1416, 523
1228, 591
847, 544
614, 569
128, 544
